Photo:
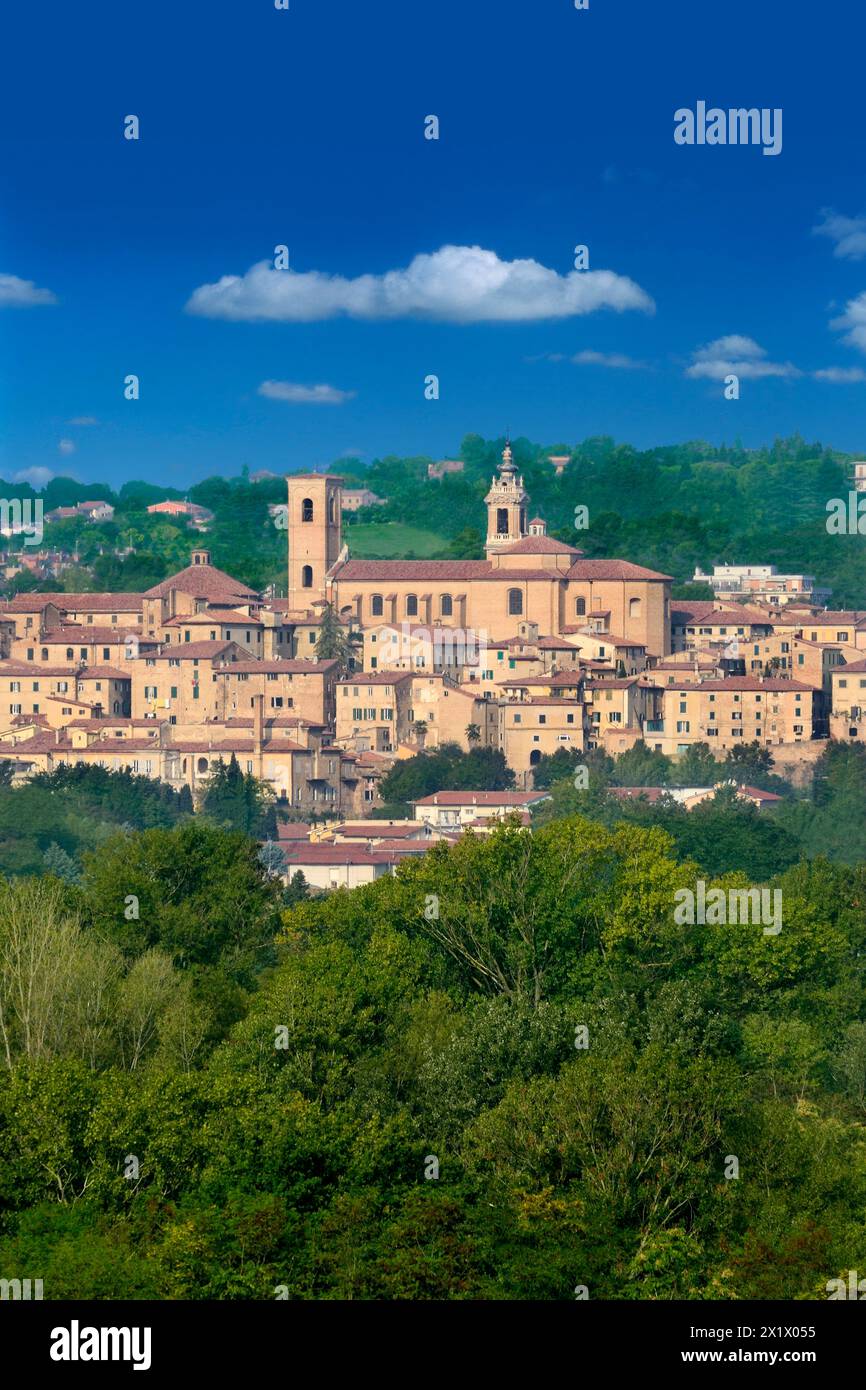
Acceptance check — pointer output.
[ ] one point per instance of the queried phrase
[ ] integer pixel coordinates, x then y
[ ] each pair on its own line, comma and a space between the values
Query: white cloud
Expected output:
854, 321
22, 294
297, 394
83, 420
36, 477
589, 358
66, 446
456, 284
840, 374
735, 355
849, 234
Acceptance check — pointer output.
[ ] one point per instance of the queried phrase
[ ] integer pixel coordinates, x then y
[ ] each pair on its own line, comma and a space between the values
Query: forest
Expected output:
503, 1073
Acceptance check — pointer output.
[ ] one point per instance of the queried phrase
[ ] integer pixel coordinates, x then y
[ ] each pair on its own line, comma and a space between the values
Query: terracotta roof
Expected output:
742, 617
558, 644
853, 618
332, 854
632, 793
91, 603
541, 545
195, 651
293, 830
111, 673
212, 616
759, 794
31, 668
29, 603
612, 569
69, 634
293, 667
111, 721
202, 581
387, 570
554, 679
741, 683
377, 677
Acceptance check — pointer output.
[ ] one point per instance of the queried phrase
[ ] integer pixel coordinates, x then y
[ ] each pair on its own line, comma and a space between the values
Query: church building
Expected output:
526, 575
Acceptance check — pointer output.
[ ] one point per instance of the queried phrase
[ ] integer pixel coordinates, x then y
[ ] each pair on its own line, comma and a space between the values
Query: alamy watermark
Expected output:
736, 126
22, 518
431, 647
717, 908
847, 517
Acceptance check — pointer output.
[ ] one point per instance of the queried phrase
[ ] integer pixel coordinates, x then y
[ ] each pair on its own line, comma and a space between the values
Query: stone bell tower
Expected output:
313, 534
506, 506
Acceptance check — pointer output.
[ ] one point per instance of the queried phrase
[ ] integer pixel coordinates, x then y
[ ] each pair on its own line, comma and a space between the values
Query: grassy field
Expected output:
391, 540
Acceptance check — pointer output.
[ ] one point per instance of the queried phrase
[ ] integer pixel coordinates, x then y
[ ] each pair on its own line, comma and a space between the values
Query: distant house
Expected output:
91, 511
454, 810
355, 497
96, 511
438, 470
197, 517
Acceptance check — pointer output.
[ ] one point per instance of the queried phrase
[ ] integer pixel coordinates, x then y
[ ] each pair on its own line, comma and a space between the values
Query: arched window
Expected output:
307, 509
307, 577
535, 757
377, 606
580, 607
446, 607
502, 521
202, 764
411, 605
634, 608
44, 653
332, 508
69, 653
515, 601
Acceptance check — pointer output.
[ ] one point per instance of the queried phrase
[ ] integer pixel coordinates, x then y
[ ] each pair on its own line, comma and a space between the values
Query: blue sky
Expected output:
306, 128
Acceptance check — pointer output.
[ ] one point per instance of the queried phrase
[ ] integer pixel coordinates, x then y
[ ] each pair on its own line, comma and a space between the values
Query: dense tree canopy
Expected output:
502, 1073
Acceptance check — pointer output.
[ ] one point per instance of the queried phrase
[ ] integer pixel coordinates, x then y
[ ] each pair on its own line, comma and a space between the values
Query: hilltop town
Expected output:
531, 650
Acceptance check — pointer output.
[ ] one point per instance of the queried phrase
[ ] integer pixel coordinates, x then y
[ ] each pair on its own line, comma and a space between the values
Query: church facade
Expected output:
526, 575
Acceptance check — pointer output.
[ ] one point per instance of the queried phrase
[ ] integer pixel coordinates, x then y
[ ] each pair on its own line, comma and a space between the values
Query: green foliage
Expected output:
292, 1148
48, 823
237, 801
446, 768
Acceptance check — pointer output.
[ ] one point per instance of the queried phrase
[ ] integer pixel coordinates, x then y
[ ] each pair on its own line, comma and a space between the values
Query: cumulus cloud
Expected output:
735, 355
36, 477
22, 294
853, 322
296, 394
617, 360
848, 233
66, 446
456, 284
83, 420
840, 375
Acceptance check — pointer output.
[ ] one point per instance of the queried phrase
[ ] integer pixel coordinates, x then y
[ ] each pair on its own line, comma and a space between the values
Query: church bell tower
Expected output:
313, 533
506, 506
